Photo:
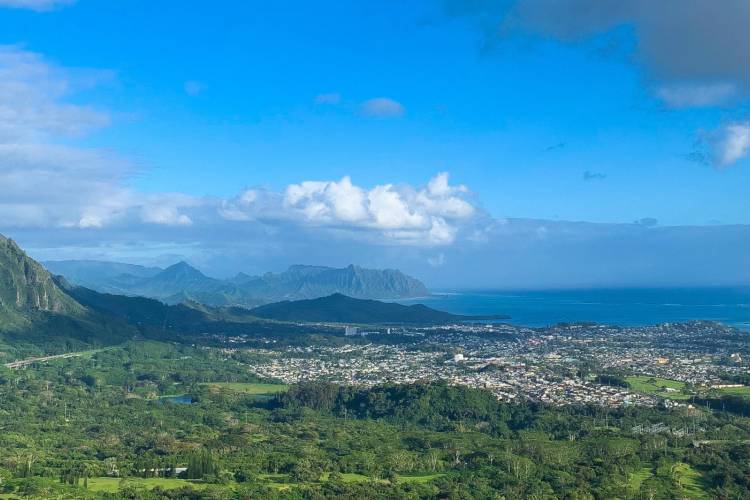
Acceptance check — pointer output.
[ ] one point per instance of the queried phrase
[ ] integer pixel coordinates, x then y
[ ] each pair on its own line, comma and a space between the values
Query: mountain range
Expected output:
182, 282
40, 312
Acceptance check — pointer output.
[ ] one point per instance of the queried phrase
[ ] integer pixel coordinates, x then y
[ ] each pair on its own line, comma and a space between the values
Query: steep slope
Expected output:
339, 308
27, 290
39, 316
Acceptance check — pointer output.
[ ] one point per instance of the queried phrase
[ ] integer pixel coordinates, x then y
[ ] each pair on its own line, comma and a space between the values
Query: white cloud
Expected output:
432, 215
390, 210
383, 107
166, 209
38, 5
685, 95
731, 144
46, 184
32, 98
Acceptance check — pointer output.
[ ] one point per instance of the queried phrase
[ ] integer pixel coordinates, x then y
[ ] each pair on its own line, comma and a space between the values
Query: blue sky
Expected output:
174, 111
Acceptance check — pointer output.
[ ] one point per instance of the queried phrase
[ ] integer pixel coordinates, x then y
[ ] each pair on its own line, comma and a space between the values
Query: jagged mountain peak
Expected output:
181, 269
182, 281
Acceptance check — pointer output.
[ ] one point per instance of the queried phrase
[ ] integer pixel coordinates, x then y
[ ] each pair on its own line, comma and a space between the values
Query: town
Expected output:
668, 364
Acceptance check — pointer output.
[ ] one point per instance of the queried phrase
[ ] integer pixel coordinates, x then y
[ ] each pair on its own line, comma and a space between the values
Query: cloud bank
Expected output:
44, 181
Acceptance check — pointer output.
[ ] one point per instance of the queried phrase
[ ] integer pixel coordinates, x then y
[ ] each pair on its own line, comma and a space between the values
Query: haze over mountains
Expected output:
182, 282
45, 313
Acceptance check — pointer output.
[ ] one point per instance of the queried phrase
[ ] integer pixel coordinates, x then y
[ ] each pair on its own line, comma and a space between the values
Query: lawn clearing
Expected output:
249, 388
662, 387
113, 484
690, 481
743, 391
636, 479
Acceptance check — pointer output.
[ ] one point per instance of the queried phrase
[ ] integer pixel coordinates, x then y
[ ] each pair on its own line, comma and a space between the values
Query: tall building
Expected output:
350, 331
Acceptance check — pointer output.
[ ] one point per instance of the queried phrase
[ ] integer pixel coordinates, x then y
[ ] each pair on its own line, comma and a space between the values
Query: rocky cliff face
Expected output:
26, 287
306, 282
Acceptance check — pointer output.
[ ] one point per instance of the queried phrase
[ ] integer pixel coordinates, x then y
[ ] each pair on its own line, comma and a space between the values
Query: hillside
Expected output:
28, 291
39, 316
338, 308
182, 282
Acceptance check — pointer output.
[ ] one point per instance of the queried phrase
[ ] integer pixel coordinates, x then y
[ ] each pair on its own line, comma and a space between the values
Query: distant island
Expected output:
181, 282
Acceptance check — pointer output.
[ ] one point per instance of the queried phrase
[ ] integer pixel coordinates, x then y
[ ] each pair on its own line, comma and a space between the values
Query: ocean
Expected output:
625, 307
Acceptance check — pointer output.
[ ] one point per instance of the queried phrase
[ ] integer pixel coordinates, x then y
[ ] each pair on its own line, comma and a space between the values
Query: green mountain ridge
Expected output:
182, 282
338, 308
28, 291
45, 314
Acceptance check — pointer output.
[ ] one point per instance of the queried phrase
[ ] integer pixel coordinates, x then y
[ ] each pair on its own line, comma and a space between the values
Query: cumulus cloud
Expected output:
431, 215
383, 107
730, 144
38, 5
46, 184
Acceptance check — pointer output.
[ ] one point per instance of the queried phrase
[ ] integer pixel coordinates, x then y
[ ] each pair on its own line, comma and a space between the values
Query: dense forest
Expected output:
157, 420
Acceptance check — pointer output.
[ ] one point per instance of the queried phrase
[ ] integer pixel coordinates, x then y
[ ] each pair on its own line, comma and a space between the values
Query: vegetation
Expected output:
150, 418
98, 426
339, 308
263, 389
181, 282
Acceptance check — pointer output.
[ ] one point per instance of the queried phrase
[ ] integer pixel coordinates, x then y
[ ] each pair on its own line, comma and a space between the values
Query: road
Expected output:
41, 359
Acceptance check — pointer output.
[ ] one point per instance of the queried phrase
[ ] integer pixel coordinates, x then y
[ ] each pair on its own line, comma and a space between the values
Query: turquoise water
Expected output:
626, 307
182, 399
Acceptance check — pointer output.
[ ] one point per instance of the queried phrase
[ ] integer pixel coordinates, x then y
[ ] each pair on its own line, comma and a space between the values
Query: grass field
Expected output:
636, 479
662, 387
249, 388
735, 391
112, 484
690, 481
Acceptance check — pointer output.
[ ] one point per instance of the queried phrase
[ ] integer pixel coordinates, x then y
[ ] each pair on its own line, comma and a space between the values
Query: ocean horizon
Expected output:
615, 306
